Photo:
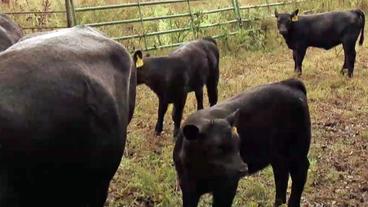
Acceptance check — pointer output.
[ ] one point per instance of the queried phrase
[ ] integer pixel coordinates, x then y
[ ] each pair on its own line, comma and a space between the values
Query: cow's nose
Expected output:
243, 171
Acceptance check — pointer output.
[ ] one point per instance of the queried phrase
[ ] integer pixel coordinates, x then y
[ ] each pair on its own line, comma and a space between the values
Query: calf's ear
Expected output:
233, 117
138, 58
294, 16
295, 13
191, 132
276, 13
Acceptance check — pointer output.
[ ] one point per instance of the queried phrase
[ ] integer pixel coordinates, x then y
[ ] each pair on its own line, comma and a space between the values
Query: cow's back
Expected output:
202, 48
326, 30
201, 58
274, 119
62, 70
64, 111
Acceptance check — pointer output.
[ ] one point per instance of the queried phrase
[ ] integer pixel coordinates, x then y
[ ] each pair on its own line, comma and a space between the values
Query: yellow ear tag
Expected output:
234, 130
139, 62
295, 18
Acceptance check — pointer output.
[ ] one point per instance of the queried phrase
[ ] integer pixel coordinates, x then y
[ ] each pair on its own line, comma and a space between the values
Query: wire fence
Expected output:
142, 24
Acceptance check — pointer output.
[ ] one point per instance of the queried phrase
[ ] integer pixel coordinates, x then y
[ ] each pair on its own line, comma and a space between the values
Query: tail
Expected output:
361, 14
210, 39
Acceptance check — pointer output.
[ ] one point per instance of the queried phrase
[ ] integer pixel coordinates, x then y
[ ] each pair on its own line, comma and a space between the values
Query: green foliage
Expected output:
36, 20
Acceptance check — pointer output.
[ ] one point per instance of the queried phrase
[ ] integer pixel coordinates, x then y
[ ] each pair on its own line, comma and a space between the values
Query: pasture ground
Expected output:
338, 175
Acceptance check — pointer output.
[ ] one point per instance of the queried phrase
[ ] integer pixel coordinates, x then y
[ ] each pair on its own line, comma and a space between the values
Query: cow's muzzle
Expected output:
283, 32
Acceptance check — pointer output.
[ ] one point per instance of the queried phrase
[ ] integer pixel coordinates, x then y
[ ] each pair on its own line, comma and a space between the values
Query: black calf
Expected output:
269, 125
325, 30
186, 69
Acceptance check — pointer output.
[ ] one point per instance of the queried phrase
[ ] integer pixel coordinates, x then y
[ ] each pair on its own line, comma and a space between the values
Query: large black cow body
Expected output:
10, 32
186, 69
67, 97
325, 30
272, 124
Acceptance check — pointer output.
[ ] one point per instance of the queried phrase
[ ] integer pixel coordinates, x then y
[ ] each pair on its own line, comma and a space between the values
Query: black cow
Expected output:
184, 70
67, 97
10, 32
325, 30
272, 124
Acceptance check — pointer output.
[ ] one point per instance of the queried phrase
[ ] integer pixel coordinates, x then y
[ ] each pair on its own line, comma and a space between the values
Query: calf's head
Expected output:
211, 148
285, 21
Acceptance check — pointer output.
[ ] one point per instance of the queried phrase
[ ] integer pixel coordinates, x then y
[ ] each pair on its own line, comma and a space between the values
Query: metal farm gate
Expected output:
140, 23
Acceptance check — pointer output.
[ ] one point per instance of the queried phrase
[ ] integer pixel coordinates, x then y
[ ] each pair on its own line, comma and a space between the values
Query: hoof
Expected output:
279, 203
158, 133
175, 132
298, 73
177, 185
343, 71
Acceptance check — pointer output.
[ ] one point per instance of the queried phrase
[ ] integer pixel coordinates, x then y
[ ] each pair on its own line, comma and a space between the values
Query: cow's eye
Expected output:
223, 148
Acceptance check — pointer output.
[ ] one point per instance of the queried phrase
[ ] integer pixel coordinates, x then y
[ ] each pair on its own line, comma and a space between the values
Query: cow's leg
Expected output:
351, 62
98, 194
190, 199
299, 57
281, 176
345, 66
199, 97
294, 58
350, 54
298, 172
224, 194
177, 113
190, 194
212, 89
162, 108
